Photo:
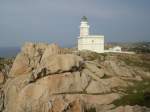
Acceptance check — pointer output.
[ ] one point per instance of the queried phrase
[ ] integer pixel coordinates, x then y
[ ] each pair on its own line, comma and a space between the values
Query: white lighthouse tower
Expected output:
86, 41
84, 27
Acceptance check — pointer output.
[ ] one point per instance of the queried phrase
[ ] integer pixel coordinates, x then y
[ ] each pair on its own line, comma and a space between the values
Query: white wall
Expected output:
95, 43
84, 29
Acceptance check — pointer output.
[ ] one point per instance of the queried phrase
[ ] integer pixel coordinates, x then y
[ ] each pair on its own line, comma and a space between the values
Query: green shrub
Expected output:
139, 94
92, 109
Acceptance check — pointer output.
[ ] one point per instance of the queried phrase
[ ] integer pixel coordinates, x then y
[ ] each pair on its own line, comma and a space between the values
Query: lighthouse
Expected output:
89, 42
84, 27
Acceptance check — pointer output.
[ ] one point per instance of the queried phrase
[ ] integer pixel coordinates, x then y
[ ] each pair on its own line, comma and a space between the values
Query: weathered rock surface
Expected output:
2, 78
27, 59
11, 89
117, 69
31, 55
95, 69
56, 64
47, 78
1, 100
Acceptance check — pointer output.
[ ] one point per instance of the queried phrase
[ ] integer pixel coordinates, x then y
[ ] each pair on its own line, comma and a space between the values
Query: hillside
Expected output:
47, 78
138, 47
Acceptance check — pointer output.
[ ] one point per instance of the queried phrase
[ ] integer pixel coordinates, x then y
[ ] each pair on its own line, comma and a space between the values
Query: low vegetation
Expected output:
139, 94
138, 60
5, 61
138, 47
141, 47
92, 109
91, 56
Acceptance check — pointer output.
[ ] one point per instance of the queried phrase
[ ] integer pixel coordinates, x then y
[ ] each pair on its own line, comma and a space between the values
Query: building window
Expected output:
92, 41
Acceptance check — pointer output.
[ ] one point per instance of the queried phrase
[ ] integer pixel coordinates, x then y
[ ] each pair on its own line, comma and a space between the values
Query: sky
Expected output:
58, 21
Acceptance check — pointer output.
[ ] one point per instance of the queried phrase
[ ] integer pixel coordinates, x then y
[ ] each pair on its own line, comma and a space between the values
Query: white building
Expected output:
89, 42
115, 49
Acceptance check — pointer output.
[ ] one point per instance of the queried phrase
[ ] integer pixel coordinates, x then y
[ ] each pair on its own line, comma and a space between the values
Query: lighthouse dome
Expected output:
84, 19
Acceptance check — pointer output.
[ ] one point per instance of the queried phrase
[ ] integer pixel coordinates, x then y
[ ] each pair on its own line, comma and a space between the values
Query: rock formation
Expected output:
47, 78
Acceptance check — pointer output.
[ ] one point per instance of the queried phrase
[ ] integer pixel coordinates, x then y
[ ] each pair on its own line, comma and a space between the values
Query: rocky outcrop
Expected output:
27, 59
1, 100
47, 78
2, 78
31, 55
56, 64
